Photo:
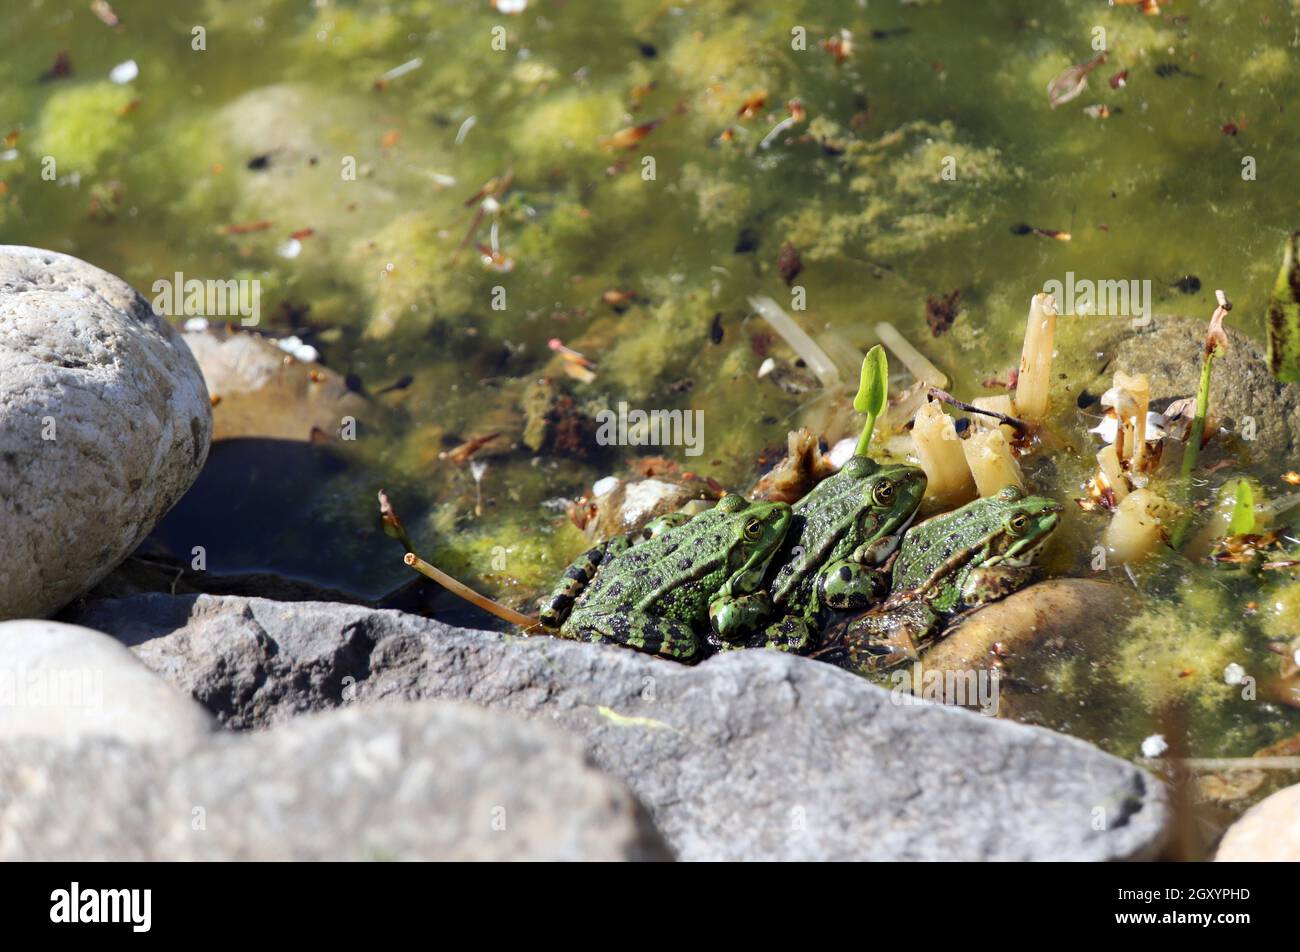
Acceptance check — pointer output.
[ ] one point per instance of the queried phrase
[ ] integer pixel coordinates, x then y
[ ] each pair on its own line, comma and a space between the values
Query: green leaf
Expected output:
873, 393
1243, 510
873, 389
1283, 317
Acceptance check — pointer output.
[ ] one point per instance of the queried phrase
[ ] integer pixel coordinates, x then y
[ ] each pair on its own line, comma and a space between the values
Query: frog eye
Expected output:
1018, 523
883, 493
752, 529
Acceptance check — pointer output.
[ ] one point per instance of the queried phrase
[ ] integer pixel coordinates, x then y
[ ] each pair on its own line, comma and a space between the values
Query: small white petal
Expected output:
123, 73
603, 486
842, 451
1154, 746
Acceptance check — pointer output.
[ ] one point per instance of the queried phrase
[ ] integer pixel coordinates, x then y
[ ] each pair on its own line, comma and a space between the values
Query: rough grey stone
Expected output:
751, 755
1169, 352
432, 780
62, 682
83, 359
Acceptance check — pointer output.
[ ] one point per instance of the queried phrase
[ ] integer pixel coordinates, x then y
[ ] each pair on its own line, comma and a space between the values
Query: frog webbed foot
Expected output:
734, 619
653, 634
555, 607
989, 583
889, 636
851, 586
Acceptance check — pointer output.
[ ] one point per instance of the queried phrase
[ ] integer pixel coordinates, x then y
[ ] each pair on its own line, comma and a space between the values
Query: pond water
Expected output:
258, 140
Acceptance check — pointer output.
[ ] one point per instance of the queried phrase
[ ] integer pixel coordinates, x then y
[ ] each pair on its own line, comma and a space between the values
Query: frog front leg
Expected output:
987, 584
849, 585
653, 634
555, 607
890, 635
734, 619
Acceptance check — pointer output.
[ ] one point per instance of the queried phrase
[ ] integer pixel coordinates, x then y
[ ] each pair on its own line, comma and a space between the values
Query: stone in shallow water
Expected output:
104, 423
751, 755
1267, 832
375, 782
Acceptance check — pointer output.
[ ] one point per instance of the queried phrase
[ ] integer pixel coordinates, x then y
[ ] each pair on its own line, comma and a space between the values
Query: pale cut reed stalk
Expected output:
1034, 381
817, 359
1113, 472
1002, 403
939, 449
910, 357
1137, 527
991, 462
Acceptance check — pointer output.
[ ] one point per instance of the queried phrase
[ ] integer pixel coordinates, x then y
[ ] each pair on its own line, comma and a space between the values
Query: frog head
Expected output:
756, 532
1018, 525
889, 498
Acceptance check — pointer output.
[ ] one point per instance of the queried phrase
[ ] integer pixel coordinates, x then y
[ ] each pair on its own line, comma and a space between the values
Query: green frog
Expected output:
842, 534
679, 578
947, 565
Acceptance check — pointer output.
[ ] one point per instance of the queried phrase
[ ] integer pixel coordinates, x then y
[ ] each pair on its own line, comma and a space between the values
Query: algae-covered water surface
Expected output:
488, 223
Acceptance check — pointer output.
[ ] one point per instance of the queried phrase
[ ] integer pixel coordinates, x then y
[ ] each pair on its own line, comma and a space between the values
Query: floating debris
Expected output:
105, 13
464, 129
61, 68
397, 72
1154, 746
752, 105
629, 138
941, 311
839, 46
1023, 229
576, 365
463, 452
789, 263
1071, 82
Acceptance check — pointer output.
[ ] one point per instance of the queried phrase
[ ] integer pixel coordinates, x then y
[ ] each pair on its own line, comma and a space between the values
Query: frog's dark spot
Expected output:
560, 602
947, 553
846, 574
616, 590
671, 549
683, 564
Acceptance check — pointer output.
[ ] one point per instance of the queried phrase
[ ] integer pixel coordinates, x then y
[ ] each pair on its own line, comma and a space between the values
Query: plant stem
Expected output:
467, 593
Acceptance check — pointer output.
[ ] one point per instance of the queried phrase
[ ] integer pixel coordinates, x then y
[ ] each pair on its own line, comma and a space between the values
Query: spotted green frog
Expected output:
947, 565
681, 577
841, 535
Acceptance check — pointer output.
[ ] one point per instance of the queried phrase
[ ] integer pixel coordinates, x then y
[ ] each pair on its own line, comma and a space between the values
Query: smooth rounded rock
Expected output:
104, 424
66, 683
1267, 832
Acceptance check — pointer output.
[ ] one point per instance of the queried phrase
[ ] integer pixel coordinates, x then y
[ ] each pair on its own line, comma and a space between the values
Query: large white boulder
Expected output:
104, 424
67, 683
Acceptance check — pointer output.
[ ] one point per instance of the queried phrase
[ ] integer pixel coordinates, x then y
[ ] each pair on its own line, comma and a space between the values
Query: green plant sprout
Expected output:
1216, 340
873, 394
1243, 510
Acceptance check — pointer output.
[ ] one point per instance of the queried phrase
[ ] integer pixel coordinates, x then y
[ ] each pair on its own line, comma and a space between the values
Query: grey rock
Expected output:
434, 781
62, 682
104, 423
1169, 352
750, 755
